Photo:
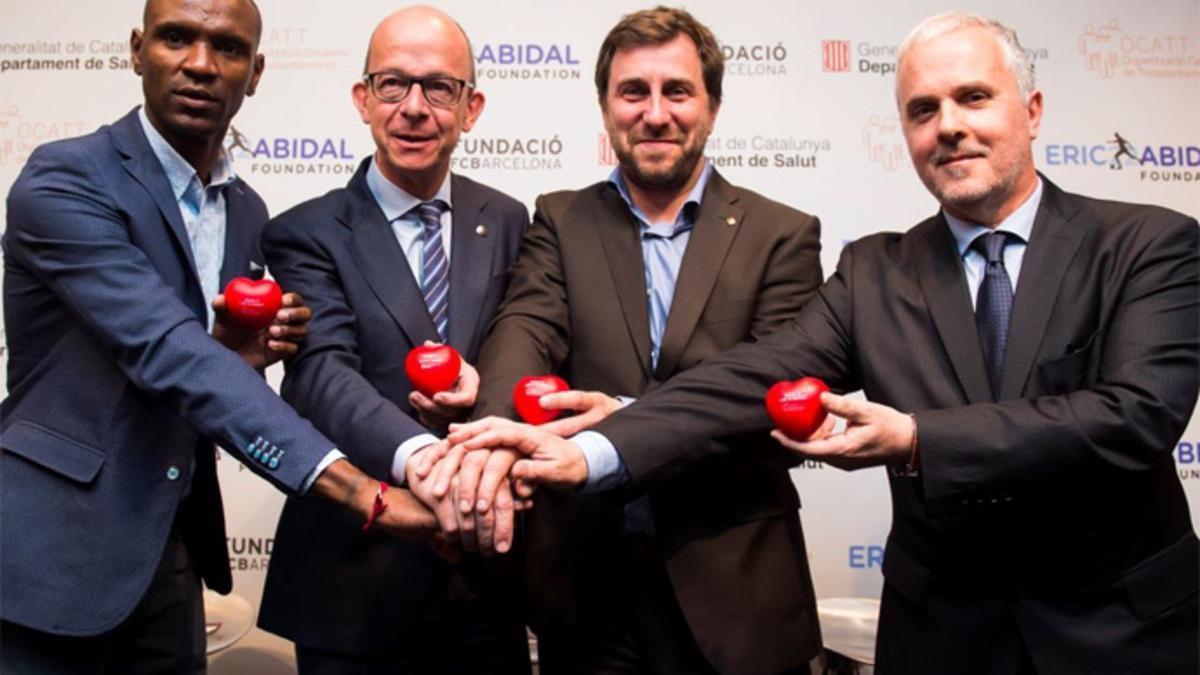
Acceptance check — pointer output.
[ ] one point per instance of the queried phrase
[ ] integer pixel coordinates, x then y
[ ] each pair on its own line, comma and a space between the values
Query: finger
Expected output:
536, 472
466, 522
468, 479
428, 456
847, 408
285, 332
421, 402
521, 489
494, 472
523, 438
218, 303
294, 315
460, 433
567, 400
826, 428
504, 510
569, 426
485, 530
447, 519
464, 391
446, 470
283, 348
293, 299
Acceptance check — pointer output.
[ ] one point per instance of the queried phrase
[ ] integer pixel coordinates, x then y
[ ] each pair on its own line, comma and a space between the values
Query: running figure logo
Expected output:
236, 140
1124, 147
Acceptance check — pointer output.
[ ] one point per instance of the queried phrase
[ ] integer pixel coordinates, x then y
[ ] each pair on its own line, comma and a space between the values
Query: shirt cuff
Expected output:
333, 456
606, 470
406, 449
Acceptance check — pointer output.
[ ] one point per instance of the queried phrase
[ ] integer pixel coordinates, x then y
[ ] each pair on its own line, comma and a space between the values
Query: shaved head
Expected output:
154, 7
422, 18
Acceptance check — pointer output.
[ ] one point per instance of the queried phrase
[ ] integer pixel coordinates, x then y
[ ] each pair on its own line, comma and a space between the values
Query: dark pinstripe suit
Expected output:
1052, 517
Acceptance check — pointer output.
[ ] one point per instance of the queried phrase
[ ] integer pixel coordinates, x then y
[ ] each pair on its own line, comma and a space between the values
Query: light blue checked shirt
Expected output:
202, 207
399, 208
662, 255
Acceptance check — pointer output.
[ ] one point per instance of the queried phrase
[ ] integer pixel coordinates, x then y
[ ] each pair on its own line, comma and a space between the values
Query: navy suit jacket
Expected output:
116, 390
357, 592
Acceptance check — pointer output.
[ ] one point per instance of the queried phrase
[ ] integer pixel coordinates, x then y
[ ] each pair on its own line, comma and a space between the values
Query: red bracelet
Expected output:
378, 507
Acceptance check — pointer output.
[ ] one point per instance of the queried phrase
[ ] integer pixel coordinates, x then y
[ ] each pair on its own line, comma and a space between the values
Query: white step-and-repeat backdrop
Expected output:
809, 119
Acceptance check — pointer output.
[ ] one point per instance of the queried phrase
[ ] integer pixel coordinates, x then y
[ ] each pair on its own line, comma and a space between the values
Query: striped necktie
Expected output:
435, 269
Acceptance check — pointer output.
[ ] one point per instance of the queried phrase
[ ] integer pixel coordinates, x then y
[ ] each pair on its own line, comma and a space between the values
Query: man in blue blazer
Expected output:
372, 259
117, 243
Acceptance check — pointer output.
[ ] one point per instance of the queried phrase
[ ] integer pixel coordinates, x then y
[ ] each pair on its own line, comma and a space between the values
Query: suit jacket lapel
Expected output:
1052, 244
940, 273
142, 164
470, 263
715, 228
619, 237
240, 247
382, 263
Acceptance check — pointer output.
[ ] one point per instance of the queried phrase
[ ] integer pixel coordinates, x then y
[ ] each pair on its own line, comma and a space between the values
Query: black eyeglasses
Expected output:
439, 90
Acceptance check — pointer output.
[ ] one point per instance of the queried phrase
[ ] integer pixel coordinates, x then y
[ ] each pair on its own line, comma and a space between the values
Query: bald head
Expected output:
155, 8
421, 25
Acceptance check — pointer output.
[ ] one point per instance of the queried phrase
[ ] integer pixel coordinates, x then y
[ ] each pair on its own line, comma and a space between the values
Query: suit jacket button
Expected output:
274, 462
173, 473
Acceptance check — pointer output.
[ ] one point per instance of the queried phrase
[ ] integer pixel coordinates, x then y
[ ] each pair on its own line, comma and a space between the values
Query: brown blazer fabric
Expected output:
725, 510
1052, 518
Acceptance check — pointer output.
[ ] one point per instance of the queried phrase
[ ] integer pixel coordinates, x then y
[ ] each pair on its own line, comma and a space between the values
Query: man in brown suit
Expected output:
698, 566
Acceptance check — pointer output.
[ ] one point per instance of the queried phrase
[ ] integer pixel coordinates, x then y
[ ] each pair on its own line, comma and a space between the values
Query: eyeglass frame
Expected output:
465, 86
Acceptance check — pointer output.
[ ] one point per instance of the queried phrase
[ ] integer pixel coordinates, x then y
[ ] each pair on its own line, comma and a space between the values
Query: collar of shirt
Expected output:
687, 214
397, 206
181, 174
1019, 222
393, 200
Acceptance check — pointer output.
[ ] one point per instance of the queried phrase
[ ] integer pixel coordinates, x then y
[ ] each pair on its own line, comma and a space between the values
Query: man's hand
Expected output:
260, 348
874, 434
405, 516
549, 459
442, 507
590, 408
447, 406
474, 493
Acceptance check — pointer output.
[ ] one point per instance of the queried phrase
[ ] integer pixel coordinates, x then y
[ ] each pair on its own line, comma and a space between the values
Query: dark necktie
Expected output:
993, 305
435, 269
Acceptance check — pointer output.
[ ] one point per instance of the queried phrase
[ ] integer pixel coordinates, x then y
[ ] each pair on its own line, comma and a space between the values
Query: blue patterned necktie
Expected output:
435, 269
993, 305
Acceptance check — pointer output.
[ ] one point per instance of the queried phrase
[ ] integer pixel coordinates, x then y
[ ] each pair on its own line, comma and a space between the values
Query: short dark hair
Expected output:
655, 27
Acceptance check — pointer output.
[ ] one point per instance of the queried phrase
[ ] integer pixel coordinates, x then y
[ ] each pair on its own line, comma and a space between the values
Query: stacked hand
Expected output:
488, 470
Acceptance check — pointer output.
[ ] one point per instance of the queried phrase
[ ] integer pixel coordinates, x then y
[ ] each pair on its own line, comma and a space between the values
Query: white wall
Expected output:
1105, 65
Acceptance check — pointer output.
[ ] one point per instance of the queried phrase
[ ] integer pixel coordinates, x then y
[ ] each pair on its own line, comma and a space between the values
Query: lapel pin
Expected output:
731, 221
480, 230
